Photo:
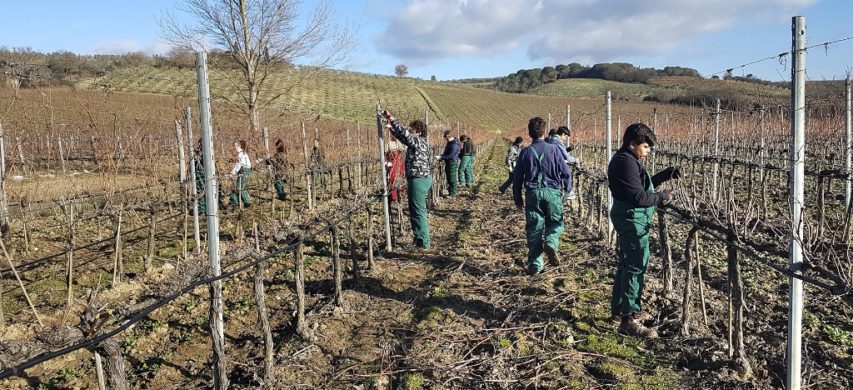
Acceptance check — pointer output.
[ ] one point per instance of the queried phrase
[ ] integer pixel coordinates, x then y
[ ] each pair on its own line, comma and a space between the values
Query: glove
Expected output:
666, 197
570, 148
666, 175
387, 115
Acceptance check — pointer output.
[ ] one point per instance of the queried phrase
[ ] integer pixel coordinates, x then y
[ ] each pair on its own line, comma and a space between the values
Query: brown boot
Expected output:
641, 316
634, 327
551, 253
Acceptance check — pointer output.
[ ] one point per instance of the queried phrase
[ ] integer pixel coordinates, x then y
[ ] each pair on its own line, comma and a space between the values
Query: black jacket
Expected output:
467, 148
628, 180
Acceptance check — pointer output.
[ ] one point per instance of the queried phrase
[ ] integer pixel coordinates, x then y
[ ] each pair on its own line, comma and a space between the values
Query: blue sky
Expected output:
479, 38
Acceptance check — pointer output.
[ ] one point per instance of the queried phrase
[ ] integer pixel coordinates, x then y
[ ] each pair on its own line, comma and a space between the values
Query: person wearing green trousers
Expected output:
634, 202
418, 174
243, 170
466, 162
451, 163
278, 163
542, 172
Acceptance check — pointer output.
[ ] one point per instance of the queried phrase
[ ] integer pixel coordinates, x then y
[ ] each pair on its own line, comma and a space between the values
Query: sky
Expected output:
454, 39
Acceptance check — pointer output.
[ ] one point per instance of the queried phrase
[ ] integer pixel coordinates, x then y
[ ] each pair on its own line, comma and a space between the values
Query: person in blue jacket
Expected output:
542, 172
451, 162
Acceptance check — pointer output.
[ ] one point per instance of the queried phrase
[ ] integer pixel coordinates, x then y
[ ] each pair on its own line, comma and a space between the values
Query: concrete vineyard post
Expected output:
384, 176
717, 116
609, 150
797, 194
849, 142
569, 123
4, 202
212, 211
308, 177
182, 163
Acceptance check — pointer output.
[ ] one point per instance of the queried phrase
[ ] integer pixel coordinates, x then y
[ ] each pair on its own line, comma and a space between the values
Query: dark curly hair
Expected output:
418, 127
536, 127
639, 133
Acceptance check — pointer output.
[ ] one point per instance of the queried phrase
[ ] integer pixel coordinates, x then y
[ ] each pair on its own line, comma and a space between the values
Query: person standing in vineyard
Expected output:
634, 201
243, 171
318, 164
278, 162
511, 157
396, 169
418, 175
466, 165
451, 162
543, 173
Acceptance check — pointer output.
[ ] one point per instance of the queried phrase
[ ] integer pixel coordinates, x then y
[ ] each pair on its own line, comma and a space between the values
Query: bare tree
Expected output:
401, 70
259, 36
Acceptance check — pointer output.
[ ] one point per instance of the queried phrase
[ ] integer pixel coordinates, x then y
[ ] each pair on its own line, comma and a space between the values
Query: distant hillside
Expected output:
694, 91
352, 96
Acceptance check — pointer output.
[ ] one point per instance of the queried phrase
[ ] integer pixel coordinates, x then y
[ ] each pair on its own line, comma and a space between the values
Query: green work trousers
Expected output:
280, 192
451, 170
466, 171
418, 188
632, 225
242, 188
543, 211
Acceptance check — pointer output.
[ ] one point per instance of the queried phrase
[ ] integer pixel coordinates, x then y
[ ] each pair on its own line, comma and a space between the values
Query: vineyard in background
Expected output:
96, 200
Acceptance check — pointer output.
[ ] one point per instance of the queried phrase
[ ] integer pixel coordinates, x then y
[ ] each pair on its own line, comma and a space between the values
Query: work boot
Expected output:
640, 316
634, 327
551, 253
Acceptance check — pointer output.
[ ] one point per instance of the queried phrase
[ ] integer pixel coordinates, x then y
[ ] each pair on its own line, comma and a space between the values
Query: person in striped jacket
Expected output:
418, 174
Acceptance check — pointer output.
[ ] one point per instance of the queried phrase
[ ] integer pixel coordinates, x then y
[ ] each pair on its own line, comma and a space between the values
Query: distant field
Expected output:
667, 89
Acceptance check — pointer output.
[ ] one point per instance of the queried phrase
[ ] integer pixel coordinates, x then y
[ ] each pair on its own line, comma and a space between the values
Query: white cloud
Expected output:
563, 30
122, 47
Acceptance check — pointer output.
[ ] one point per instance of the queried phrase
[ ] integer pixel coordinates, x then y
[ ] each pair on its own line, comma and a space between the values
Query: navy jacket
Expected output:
555, 172
451, 150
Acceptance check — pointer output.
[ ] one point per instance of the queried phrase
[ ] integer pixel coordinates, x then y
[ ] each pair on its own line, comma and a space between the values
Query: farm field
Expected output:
110, 234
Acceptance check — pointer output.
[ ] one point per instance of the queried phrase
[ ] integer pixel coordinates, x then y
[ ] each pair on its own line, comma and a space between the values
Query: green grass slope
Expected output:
353, 96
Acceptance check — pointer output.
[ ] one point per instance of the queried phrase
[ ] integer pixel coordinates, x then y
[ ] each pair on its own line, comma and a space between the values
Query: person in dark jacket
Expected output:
466, 164
418, 176
634, 201
511, 157
451, 162
278, 162
542, 172
318, 165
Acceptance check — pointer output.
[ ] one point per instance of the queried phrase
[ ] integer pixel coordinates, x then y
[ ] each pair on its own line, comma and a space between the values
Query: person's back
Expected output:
542, 172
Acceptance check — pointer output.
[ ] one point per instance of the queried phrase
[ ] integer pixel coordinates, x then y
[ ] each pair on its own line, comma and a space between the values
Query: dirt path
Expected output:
462, 315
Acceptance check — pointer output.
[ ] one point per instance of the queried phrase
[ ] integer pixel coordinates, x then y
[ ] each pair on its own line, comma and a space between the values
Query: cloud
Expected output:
424, 31
122, 47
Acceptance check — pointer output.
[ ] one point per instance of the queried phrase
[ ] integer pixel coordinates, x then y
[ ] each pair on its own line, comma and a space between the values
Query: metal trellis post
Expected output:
798, 146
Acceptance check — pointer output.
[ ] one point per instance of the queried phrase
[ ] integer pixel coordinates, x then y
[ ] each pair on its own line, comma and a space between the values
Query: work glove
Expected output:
666, 175
666, 197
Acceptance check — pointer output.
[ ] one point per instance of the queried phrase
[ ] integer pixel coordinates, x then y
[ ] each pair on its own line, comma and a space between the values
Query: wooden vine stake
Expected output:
737, 350
370, 242
118, 259
353, 252
20, 283
337, 267
299, 265
68, 210
263, 316
688, 280
666, 253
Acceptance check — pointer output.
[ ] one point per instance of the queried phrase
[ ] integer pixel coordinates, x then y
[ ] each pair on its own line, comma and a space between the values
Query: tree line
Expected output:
526, 79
